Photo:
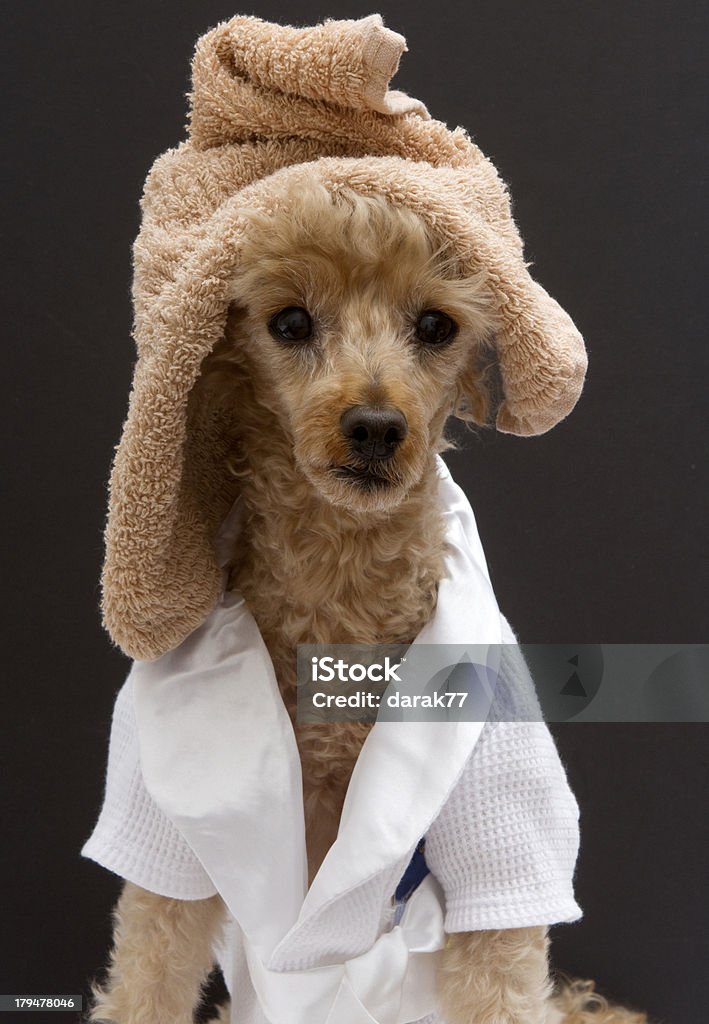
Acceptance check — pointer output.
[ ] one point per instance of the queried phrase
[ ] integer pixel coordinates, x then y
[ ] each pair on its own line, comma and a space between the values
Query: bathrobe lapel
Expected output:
219, 757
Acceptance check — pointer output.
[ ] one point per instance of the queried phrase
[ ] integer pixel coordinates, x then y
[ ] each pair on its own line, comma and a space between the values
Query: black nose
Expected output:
373, 432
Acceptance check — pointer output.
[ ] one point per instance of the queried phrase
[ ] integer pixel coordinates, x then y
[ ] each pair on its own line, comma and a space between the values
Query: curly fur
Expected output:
325, 560
162, 955
577, 1002
501, 974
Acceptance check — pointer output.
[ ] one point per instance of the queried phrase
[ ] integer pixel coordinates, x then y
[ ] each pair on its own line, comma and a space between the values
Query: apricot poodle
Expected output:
351, 339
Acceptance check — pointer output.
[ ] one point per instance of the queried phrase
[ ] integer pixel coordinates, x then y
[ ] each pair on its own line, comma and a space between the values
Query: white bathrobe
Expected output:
204, 796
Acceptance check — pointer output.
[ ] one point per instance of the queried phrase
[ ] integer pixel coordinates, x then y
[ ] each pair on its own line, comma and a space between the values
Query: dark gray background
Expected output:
596, 116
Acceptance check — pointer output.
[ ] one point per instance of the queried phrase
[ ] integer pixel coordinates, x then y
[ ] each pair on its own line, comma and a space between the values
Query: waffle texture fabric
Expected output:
503, 847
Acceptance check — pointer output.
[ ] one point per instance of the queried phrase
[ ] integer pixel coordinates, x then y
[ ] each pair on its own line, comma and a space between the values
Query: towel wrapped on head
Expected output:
272, 105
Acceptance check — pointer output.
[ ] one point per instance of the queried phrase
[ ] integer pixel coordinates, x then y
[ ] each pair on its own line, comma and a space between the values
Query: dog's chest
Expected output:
330, 604
313, 582
355, 589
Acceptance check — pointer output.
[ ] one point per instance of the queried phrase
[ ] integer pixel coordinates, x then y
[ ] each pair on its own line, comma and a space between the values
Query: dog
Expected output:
352, 337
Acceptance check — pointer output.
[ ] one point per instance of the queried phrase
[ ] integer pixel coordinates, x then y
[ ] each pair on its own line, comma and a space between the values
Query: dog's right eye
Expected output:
292, 324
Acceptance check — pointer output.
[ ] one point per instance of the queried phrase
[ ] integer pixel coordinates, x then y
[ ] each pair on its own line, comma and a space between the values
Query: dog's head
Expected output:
361, 336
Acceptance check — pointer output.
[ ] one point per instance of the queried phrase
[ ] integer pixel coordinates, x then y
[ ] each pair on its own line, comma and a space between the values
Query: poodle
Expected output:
352, 337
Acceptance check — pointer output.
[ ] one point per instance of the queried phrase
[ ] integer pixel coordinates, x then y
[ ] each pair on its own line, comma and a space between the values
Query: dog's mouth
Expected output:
362, 485
372, 476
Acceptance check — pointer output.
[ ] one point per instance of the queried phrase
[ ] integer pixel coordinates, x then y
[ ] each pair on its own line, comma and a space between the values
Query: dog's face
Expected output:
358, 334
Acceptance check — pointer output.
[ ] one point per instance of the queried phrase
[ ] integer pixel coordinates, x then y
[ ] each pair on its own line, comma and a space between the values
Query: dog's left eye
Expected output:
435, 328
292, 324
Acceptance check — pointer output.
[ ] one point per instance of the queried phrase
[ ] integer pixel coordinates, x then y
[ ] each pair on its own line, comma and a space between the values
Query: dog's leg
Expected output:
496, 977
161, 957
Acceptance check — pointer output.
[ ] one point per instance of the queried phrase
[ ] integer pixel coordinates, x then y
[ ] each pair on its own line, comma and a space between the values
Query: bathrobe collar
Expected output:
219, 756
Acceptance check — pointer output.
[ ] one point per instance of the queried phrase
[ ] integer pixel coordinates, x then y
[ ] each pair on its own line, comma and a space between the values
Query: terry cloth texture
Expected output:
272, 106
